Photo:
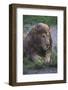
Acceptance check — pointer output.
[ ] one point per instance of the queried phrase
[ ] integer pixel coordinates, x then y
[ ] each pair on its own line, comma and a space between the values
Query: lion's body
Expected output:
38, 43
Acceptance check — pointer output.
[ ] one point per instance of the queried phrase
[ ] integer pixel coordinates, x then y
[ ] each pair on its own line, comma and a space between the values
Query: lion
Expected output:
37, 44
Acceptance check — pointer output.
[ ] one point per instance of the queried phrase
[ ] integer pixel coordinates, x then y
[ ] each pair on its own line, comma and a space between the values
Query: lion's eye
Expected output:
43, 36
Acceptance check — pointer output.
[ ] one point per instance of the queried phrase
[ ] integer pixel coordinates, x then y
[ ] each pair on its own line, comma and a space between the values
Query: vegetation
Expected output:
29, 64
31, 19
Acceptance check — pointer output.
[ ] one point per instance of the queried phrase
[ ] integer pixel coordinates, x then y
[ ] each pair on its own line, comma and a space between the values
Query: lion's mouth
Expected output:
46, 48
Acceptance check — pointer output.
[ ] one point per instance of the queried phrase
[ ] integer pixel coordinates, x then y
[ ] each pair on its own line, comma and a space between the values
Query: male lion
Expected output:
38, 43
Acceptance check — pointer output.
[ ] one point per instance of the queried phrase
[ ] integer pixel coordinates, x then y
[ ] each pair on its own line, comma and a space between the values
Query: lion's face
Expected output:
45, 40
42, 36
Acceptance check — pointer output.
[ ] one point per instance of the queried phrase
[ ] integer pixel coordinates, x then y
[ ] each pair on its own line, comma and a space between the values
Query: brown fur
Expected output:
38, 43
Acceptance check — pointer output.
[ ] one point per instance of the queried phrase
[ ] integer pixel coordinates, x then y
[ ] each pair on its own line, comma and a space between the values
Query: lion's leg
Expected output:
47, 58
37, 59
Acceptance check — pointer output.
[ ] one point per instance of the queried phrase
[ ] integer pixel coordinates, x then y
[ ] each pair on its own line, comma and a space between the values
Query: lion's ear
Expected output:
34, 29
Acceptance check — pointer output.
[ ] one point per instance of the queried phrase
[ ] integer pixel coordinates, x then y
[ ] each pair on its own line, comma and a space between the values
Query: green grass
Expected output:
31, 19
28, 64
38, 64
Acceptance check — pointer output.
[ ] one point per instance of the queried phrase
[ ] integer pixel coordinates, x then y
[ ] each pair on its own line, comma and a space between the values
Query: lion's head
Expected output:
41, 37
38, 42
